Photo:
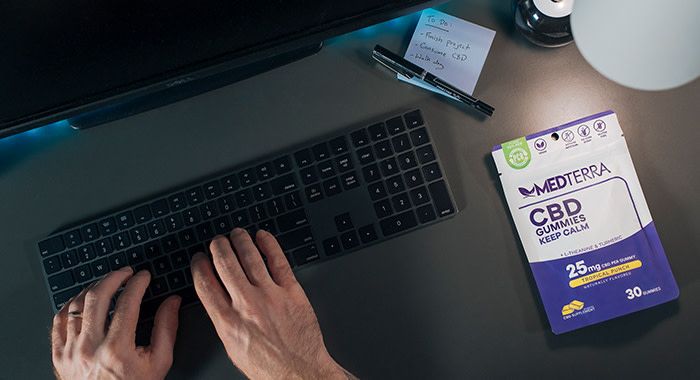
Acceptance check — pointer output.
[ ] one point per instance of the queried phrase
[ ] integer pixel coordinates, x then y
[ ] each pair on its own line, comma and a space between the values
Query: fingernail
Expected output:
197, 256
126, 269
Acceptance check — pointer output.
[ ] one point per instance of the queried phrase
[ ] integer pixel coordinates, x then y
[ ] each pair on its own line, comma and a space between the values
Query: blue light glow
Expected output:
390, 26
58, 128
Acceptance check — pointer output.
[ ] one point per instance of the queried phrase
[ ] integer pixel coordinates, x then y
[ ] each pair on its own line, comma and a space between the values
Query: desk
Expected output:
453, 300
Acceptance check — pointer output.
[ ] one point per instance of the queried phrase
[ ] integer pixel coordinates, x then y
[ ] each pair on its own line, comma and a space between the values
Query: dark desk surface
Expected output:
449, 301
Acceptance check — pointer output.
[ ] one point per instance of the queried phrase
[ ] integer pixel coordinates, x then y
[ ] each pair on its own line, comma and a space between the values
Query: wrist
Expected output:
330, 369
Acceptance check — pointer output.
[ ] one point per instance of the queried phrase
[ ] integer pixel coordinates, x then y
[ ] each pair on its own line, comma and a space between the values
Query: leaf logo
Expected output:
527, 193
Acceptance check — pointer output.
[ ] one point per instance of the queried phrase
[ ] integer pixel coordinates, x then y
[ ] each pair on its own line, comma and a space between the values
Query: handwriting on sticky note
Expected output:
451, 48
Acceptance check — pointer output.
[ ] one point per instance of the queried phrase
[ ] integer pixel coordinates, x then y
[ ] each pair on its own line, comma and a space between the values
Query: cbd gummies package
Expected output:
584, 223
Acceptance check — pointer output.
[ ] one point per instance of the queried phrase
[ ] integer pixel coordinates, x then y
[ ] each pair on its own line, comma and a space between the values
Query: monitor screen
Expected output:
58, 55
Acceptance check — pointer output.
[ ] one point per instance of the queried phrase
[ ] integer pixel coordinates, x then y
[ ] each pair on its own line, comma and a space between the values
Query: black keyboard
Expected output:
327, 199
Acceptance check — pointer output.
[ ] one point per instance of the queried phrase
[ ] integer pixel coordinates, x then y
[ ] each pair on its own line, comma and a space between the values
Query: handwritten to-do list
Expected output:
452, 49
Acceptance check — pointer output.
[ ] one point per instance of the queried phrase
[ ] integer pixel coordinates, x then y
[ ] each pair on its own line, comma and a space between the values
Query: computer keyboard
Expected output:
321, 201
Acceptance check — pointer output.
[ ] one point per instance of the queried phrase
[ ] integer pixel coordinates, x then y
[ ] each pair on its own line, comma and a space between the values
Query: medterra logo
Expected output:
562, 181
517, 153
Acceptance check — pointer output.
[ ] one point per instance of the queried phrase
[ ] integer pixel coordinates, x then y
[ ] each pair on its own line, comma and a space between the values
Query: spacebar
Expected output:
398, 223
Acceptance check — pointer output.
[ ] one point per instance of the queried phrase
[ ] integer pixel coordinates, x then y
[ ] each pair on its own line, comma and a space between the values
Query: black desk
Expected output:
454, 300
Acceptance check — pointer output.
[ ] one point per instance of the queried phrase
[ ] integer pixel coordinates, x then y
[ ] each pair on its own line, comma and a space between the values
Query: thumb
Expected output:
164, 332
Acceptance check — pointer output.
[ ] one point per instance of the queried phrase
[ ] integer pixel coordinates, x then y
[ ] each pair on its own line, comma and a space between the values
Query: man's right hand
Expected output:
265, 320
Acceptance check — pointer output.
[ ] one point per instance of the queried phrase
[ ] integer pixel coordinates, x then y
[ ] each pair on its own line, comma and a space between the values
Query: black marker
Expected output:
410, 70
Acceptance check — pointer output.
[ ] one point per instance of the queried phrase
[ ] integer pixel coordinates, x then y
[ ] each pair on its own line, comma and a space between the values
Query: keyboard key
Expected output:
331, 246
144, 266
82, 273
283, 184
407, 161
398, 223
425, 154
265, 171
359, 138
52, 264
383, 208
162, 265
349, 180
344, 163
413, 119
432, 172
244, 198
197, 248
308, 175
160, 208
401, 202
142, 214
295, 238
389, 167
100, 267
441, 198
156, 228
303, 157
313, 193
135, 255
153, 249
240, 218
268, 225
413, 178
326, 169
426, 213
177, 202
51, 246
420, 196
395, 125
320, 151
229, 183
343, 222
125, 220
222, 225
262, 192
187, 237
292, 200
106, 226
367, 233
306, 255
191, 216
212, 189
395, 184
209, 210
157, 287
61, 298
292, 220
349, 240
247, 177
365, 155
377, 191
371, 173
338, 145
72, 238
257, 213
332, 187
176, 280
169, 243
401, 143
117, 260
121, 240
383, 149
419, 137
89, 232
275, 206
69, 259
377, 132
86, 253
282, 165
104, 246
194, 196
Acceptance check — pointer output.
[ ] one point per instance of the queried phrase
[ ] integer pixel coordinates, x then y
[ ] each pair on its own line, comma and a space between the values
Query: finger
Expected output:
58, 331
164, 332
97, 301
76, 309
227, 266
208, 288
277, 262
126, 312
249, 257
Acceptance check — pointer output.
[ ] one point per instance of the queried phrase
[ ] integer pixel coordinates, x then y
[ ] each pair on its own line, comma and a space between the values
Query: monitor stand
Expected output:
187, 89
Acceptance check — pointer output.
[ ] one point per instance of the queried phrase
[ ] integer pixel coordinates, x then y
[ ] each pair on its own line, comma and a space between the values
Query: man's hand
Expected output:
83, 347
265, 321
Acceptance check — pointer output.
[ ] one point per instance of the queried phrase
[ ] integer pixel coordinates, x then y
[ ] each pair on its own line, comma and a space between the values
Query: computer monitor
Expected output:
92, 61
